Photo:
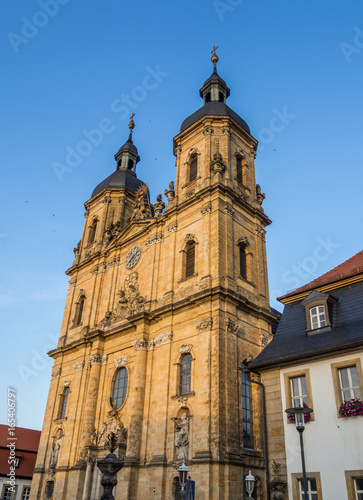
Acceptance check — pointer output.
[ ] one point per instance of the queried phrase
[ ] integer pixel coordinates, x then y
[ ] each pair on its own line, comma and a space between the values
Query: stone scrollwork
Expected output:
206, 209
105, 359
157, 238
121, 361
164, 338
183, 400
189, 237
231, 326
56, 373
173, 227
208, 130
260, 231
243, 242
73, 282
204, 324
66, 383
228, 209
185, 348
79, 365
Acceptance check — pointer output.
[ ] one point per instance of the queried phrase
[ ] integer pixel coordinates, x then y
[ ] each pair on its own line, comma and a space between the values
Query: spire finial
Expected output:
131, 126
214, 58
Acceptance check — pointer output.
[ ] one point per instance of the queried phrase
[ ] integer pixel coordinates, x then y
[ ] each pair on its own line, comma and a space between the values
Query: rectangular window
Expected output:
239, 170
312, 489
7, 494
349, 383
247, 427
26, 493
299, 392
317, 317
193, 169
358, 488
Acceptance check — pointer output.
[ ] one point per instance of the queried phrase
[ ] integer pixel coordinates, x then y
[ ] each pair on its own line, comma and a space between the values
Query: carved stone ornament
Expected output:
189, 237
208, 130
178, 150
151, 345
106, 320
228, 209
133, 257
217, 164
190, 193
260, 231
266, 339
157, 238
158, 206
277, 487
106, 200
226, 131
115, 261
73, 282
164, 338
66, 383
104, 359
77, 249
260, 196
206, 209
173, 227
204, 324
121, 361
55, 373
231, 326
113, 433
243, 242
170, 193
185, 348
94, 359
183, 400
142, 207
78, 366
140, 345
239, 153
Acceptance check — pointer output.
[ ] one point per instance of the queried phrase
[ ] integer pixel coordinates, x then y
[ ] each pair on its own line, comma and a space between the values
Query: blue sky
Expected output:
65, 72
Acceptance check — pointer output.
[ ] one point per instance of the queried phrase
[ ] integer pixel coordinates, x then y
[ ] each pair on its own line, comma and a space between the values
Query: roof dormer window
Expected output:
318, 312
317, 317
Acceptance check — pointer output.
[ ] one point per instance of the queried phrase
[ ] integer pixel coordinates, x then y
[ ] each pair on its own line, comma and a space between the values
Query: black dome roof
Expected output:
213, 108
121, 179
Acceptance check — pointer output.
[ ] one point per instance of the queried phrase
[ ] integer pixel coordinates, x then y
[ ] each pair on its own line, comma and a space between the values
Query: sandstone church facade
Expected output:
166, 304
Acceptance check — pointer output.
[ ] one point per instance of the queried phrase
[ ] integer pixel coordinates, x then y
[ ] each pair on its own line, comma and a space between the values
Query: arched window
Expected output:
193, 169
63, 403
79, 311
189, 259
130, 164
92, 231
185, 374
242, 262
246, 410
119, 390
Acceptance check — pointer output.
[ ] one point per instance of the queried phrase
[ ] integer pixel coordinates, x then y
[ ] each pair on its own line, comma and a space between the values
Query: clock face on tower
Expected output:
133, 257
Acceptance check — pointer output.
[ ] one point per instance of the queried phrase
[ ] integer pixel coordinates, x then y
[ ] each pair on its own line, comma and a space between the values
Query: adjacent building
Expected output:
315, 360
167, 303
22, 459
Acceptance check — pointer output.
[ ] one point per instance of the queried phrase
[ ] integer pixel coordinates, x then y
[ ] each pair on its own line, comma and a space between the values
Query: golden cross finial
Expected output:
214, 50
133, 114
132, 123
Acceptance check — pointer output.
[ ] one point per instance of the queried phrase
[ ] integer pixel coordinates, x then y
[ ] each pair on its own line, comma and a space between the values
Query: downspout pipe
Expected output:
265, 445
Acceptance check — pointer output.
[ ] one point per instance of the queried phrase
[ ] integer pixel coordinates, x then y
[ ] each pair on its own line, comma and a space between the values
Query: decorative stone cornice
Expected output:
55, 373
185, 348
79, 365
140, 345
204, 324
164, 338
157, 238
121, 361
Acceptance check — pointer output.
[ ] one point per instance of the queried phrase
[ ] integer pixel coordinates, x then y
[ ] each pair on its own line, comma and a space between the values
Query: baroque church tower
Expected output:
166, 304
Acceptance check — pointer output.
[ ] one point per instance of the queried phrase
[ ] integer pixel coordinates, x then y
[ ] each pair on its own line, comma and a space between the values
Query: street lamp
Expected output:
183, 476
250, 484
299, 414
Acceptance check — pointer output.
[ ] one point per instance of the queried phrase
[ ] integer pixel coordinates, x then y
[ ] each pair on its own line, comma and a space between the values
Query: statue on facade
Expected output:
182, 437
55, 448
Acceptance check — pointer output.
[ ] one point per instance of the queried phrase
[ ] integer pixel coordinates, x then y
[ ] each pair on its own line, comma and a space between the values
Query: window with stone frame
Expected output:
185, 374
242, 262
193, 168
92, 231
239, 169
247, 409
317, 317
63, 403
79, 311
299, 392
358, 488
312, 488
354, 479
349, 383
119, 389
314, 491
8, 493
189, 259
319, 308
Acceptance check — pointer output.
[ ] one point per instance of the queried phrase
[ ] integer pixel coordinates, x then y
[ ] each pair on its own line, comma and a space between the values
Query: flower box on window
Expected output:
351, 408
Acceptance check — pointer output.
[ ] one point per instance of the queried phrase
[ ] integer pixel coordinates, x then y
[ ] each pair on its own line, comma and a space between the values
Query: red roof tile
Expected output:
350, 267
26, 439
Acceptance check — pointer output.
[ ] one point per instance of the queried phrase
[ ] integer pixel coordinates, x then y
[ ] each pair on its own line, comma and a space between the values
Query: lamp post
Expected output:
183, 476
300, 413
250, 484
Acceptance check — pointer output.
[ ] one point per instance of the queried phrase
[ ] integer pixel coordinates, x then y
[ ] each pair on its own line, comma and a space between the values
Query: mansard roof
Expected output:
214, 109
121, 179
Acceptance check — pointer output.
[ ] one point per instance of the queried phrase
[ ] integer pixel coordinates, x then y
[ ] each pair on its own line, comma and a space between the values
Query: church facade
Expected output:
167, 302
